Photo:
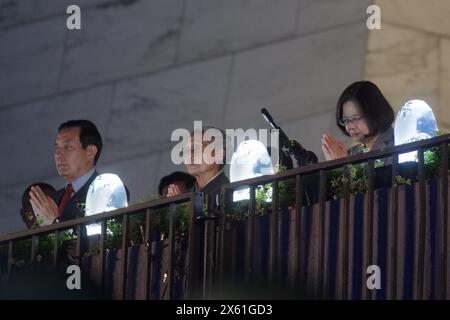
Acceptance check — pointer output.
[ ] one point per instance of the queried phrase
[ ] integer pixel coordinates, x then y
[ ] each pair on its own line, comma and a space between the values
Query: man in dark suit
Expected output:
208, 165
205, 159
78, 147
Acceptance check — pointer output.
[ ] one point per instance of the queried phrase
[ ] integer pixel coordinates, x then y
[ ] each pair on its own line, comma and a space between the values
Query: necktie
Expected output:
65, 199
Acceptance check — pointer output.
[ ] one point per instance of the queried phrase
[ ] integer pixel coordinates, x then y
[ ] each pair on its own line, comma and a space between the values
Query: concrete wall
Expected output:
409, 58
142, 68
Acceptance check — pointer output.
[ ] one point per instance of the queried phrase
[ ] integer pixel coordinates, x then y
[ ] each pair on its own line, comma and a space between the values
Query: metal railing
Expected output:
212, 261
297, 276
147, 208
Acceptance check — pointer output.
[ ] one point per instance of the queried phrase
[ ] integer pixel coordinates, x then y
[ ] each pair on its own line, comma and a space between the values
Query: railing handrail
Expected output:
333, 164
151, 204
325, 165
203, 280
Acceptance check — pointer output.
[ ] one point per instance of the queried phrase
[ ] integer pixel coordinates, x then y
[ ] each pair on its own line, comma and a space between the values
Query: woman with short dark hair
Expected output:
363, 113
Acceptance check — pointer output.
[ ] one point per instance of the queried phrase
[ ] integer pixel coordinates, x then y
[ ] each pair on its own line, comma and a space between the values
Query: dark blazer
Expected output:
75, 207
211, 191
386, 139
213, 187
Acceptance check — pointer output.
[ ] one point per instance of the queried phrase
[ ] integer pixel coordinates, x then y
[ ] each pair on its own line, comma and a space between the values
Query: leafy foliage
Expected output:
336, 182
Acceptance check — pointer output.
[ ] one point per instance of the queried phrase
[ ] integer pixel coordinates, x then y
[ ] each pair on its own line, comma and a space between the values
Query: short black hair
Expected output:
89, 134
376, 109
46, 188
188, 179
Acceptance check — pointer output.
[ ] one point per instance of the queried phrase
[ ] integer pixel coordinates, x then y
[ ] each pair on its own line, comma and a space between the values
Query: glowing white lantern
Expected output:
415, 121
250, 160
105, 193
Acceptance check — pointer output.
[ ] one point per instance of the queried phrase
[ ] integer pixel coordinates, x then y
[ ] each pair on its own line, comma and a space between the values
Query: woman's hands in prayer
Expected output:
332, 149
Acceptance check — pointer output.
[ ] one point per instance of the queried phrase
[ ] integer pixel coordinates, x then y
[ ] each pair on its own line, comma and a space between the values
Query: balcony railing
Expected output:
318, 247
194, 201
315, 282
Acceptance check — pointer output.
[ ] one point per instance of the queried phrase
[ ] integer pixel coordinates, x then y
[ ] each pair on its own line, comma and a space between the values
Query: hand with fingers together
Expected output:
173, 190
332, 149
43, 206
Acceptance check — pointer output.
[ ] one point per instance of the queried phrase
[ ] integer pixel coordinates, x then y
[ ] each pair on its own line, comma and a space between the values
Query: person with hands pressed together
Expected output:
364, 114
77, 149
176, 183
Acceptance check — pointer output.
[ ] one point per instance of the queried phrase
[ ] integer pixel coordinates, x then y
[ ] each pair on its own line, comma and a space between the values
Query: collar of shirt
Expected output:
79, 183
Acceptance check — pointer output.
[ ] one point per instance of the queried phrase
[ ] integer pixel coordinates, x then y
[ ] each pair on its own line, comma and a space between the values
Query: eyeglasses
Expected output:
346, 121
